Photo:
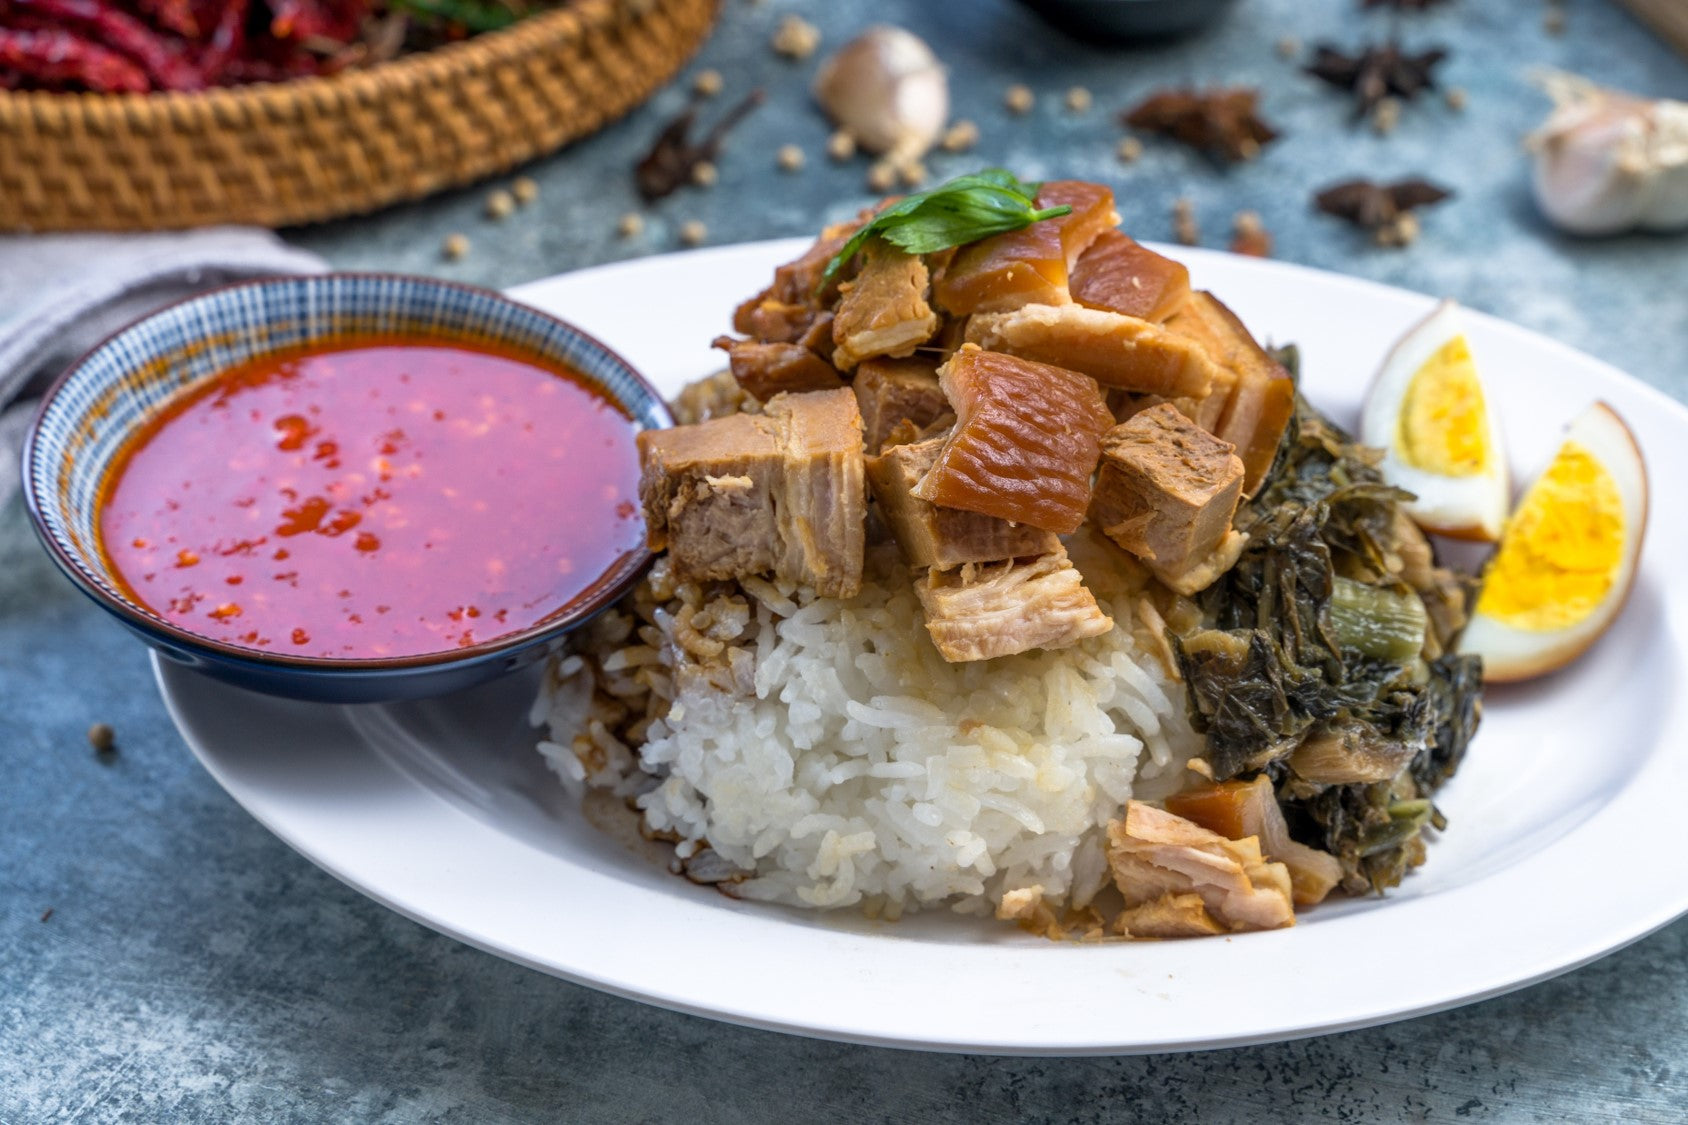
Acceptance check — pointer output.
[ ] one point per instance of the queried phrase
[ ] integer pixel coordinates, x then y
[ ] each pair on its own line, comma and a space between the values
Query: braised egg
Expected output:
1568, 555
1429, 413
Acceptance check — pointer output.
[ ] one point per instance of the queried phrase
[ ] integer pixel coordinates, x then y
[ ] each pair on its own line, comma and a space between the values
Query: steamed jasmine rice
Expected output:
820, 752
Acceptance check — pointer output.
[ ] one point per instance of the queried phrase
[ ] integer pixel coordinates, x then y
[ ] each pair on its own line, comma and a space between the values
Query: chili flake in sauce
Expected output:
373, 498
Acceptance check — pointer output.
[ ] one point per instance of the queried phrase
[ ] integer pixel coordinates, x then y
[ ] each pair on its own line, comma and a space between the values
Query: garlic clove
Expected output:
888, 90
1607, 162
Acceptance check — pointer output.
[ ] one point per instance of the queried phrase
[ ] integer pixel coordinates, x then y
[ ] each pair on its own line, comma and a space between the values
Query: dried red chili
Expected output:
58, 58
164, 59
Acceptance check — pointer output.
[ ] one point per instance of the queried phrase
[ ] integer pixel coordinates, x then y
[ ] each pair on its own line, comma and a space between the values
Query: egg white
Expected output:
1471, 507
1510, 653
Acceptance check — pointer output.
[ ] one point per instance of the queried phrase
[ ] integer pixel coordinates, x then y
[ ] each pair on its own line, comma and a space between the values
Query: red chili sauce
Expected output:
373, 498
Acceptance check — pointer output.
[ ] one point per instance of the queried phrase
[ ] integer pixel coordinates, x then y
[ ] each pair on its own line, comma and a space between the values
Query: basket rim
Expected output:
568, 22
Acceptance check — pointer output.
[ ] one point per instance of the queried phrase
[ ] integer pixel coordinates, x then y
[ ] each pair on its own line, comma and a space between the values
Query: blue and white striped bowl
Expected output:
93, 409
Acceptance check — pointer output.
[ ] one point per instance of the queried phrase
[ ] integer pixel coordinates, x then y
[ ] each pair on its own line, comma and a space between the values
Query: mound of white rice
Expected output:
827, 752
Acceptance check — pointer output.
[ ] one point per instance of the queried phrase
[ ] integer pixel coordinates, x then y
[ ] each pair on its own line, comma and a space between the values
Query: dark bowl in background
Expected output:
1125, 21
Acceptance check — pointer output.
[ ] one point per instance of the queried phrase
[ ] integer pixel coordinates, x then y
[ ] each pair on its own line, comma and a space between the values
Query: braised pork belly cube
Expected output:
884, 311
1259, 394
1154, 854
1116, 351
1025, 443
765, 370
943, 537
982, 612
1166, 492
1119, 275
890, 391
1032, 264
781, 493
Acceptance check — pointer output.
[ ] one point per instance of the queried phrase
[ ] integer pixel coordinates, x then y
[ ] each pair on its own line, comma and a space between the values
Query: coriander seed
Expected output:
499, 205
1078, 100
1019, 99
525, 189
1184, 226
704, 174
796, 38
693, 232
881, 176
841, 145
960, 137
1129, 150
1455, 97
707, 84
789, 158
630, 225
101, 737
455, 246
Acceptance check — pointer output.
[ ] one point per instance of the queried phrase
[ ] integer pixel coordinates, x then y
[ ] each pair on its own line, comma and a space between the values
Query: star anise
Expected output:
1379, 71
1383, 209
1222, 122
674, 157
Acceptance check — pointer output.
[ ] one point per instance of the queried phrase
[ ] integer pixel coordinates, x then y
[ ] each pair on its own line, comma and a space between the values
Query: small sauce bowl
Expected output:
93, 412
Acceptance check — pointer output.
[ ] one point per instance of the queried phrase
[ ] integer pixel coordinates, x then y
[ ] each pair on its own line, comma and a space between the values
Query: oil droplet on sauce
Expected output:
504, 489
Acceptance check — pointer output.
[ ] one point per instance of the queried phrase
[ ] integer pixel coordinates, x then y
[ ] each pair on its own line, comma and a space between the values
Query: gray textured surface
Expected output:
195, 969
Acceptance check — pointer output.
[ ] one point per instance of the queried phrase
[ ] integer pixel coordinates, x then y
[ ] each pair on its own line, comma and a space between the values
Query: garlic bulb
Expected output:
1608, 161
887, 89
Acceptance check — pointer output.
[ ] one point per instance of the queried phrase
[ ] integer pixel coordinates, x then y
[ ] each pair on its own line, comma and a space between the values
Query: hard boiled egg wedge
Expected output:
1568, 556
1428, 412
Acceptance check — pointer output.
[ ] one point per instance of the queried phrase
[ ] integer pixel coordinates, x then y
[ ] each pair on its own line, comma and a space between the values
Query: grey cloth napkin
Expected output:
62, 294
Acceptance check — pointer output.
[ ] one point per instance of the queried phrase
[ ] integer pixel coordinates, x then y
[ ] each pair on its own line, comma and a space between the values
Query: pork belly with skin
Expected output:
1026, 440
890, 391
931, 536
781, 493
1116, 351
986, 611
884, 311
1259, 396
1119, 275
1158, 858
1032, 264
767, 369
1166, 492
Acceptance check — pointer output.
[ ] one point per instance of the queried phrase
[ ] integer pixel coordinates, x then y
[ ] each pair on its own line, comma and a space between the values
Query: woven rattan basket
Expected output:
319, 148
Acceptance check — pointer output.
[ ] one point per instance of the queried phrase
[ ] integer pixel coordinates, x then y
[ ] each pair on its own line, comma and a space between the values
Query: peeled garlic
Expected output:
888, 91
1608, 161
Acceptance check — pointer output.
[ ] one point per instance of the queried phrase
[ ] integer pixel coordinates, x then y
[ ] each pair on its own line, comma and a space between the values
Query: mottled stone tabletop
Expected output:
164, 958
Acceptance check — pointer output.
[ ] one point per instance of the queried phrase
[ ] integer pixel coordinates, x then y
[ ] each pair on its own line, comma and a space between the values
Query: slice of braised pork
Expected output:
1240, 809
999, 609
765, 370
1260, 397
884, 310
1166, 492
1031, 264
1026, 440
890, 391
1117, 351
781, 492
1119, 275
1154, 853
943, 537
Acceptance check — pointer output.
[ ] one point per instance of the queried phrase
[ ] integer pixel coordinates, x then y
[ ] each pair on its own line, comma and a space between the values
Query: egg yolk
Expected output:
1562, 549
1442, 427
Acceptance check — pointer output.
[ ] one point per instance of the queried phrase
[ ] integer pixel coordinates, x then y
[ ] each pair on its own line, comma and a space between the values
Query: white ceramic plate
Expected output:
1564, 842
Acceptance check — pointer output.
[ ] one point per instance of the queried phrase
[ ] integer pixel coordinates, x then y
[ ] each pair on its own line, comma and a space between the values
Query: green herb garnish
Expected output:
471, 15
960, 211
